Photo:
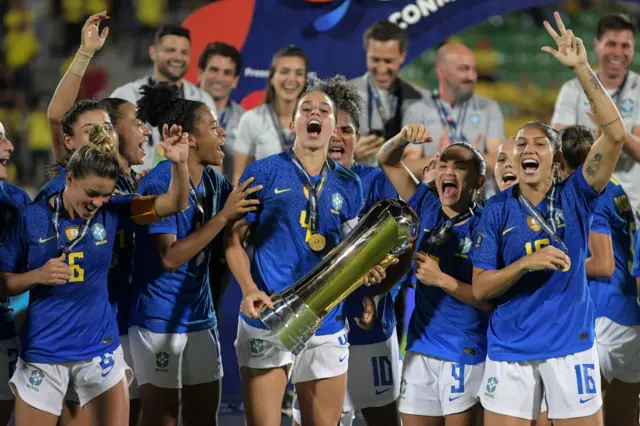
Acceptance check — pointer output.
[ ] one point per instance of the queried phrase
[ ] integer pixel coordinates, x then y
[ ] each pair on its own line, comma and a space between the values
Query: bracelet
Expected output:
610, 123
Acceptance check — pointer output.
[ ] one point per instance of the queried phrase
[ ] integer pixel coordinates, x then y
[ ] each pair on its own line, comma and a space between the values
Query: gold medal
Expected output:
317, 242
568, 266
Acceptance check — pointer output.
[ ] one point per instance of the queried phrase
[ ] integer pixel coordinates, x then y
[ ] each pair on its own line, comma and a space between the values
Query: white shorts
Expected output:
175, 360
8, 361
323, 357
43, 386
436, 387
126, 352
618, 350
571, 384
373, 378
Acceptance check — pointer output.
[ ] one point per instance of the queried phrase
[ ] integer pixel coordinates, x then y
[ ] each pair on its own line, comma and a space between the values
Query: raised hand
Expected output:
367, 147
175, 145
55, 271
92, 39
237, 203
429, 170
571, 51
415, 134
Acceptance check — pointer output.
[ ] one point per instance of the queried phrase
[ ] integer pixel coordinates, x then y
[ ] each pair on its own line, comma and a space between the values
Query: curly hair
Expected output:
161, 104
345, 96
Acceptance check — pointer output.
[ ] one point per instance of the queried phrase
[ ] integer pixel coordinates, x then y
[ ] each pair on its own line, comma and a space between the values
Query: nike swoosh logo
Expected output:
453, 399
44, 240
582, 401
343, 358
382, 391
280, 191
505, 232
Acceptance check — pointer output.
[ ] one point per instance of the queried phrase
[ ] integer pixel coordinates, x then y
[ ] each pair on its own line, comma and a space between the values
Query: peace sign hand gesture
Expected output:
571, 51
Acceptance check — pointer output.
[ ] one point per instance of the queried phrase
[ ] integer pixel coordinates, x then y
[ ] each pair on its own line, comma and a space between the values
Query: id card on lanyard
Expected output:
447, 120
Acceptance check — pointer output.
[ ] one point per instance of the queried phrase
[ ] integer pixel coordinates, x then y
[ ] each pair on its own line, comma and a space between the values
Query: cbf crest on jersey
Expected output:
71, 232
626, 108
464, 246
99, 234
336, 203
475, 120
257, 347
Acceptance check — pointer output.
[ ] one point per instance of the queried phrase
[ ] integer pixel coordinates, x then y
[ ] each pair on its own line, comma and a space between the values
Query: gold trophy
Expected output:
382, 235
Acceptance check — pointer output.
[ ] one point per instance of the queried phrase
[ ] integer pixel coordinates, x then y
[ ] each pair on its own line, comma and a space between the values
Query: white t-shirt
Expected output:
257, 136
572, 107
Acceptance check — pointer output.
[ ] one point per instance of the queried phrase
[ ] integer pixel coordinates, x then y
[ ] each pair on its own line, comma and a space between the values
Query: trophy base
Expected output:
291, 320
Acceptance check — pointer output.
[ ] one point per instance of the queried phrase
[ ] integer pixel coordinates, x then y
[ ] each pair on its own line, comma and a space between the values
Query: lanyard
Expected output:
224, 116
446, 118
314, 191
67, 248
285, 141
549, 227
450, 223
618, 93
396, 105
125, 183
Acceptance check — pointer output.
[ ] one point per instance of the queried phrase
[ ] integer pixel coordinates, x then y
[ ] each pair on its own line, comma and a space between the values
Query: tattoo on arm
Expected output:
594, 165
595, 83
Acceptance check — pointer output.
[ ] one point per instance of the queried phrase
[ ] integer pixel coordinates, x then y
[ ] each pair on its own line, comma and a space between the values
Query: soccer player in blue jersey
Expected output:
306, 199
446, 341
612, 287
12, 200
173, 334
70, 335
504, 170
529, 257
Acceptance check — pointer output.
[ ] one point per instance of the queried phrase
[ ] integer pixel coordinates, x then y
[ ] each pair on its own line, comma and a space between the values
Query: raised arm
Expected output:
391, 154
174, 253
67, 90
604, 153
601, 263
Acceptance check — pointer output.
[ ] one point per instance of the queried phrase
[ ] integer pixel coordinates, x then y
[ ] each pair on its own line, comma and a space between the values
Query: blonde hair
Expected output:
98, 157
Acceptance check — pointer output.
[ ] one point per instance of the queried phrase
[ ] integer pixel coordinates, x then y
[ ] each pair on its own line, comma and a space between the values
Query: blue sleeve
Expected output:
168, 225
380, 190
486, 250
422, 195
354, 202
635, 268
601, 216
13, 251
260, 175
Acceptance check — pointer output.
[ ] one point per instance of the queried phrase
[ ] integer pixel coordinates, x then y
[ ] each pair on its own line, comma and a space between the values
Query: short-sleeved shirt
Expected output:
572, 107
615, 297
12, 201
545, 314
131, 92
257, 136
280, 229
75, 321
442, 326
178, 301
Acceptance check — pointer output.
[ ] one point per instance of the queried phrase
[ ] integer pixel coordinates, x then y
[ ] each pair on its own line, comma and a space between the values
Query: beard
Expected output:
164, 70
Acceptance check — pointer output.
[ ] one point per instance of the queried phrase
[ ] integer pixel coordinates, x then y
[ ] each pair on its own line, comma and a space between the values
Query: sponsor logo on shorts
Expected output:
257, 348
382, 391
585, 400
403, 387
107, 362
342, 358
492, 383
36, 378
455, 397
162, 362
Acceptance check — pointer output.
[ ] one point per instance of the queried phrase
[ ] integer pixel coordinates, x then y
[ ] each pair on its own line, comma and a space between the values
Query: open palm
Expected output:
571, 51
175, 144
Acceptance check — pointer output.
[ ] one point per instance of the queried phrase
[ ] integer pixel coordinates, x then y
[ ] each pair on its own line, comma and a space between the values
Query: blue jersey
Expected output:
375, 187
442, 326
53, 186
280, 228
635, 266
12, 200
546, 314
120, 275
74, 321
180, 301
615, 297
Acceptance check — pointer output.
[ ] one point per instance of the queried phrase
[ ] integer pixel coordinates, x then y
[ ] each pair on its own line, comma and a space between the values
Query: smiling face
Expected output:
6, 149
82, 125
289, 78
219, 78
615, 50
314, 121
533, 156
504, 171
208, 137
343, 143
133, 134
384, 60
88, 194
457, 178
171, 56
